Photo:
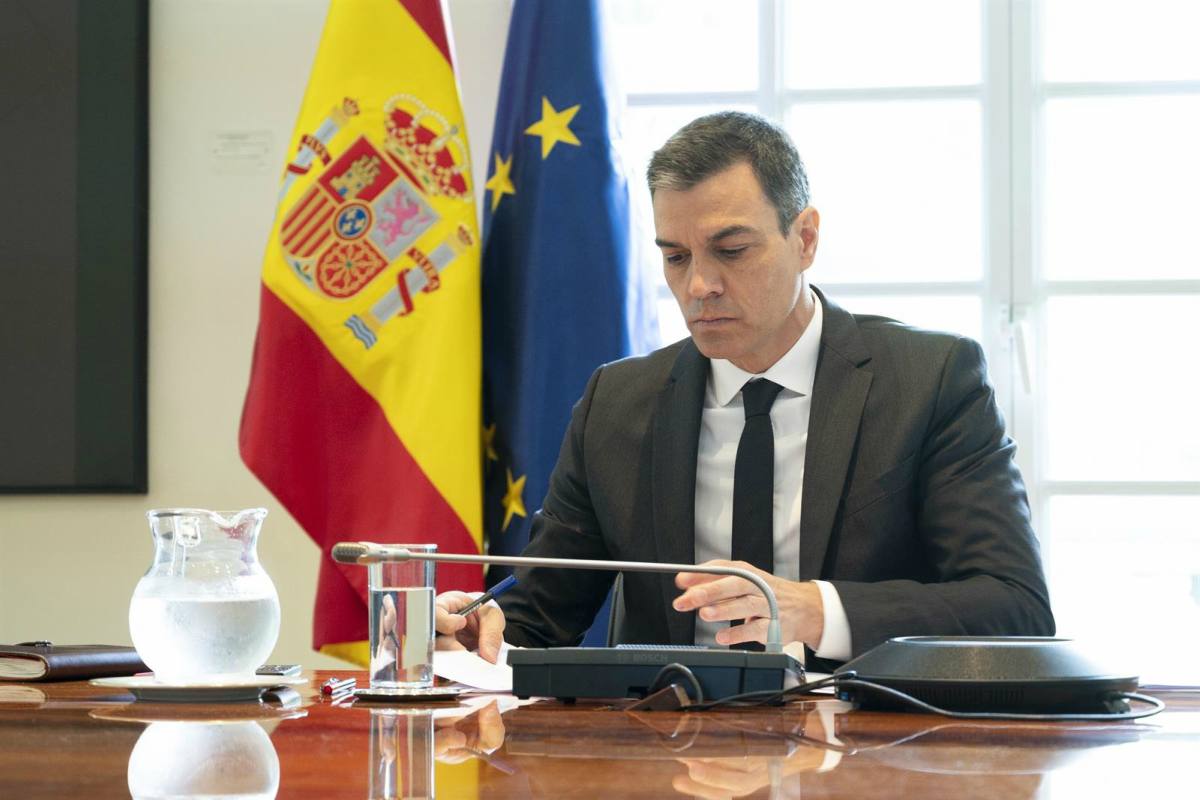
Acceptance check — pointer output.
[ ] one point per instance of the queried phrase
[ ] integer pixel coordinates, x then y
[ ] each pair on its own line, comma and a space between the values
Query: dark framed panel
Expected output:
73, 245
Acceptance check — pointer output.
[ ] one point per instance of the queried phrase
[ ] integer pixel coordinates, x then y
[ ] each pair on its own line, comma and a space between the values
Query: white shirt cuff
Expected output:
835, 639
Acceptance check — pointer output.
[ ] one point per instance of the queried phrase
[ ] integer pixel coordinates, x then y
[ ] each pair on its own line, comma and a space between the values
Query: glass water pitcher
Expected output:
206, 608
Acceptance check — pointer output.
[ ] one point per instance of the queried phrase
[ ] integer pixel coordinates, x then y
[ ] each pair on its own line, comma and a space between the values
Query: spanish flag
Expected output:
362, 415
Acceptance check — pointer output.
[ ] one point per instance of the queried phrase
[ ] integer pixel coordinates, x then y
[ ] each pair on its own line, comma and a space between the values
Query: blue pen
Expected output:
497, 590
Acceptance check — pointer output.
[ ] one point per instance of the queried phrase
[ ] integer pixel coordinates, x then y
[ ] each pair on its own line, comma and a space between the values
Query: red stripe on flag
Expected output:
428, 14
323, 217
294, 228
322, 445
300, 208
313, 246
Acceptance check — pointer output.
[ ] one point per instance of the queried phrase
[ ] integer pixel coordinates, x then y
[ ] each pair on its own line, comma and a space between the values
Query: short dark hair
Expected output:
715, 142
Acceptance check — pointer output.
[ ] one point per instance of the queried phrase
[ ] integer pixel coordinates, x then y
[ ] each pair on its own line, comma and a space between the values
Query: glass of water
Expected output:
402, 622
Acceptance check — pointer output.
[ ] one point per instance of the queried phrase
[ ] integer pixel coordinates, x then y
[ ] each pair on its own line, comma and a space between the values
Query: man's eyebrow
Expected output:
730, 230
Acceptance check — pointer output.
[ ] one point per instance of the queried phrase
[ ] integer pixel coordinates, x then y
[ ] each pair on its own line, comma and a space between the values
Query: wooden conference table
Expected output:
73, 740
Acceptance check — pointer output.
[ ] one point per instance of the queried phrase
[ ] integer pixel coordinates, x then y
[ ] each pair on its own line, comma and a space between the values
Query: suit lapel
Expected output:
673, 476
839, 396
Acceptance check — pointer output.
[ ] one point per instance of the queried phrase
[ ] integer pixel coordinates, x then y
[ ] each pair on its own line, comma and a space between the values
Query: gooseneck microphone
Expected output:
371, 553
968, 677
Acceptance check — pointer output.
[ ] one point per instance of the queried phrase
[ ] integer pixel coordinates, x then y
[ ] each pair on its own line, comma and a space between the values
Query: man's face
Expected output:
736, 278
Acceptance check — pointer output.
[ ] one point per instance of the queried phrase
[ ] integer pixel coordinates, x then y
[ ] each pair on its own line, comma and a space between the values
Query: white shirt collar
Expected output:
795, 371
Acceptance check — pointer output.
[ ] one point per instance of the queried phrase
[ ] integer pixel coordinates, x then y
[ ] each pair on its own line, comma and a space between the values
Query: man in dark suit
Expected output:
894, 506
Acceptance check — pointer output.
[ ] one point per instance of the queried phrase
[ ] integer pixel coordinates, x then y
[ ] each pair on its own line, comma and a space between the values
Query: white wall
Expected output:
218, 69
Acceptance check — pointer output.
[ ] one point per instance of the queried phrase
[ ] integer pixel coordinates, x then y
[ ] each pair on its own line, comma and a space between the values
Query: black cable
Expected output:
765, 696
658, 682
850, 679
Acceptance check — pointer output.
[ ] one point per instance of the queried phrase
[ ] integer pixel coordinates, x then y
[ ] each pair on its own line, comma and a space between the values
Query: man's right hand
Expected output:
481, 630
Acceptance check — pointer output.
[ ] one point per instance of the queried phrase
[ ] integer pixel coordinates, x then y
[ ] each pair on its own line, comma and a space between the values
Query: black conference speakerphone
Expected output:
569, 673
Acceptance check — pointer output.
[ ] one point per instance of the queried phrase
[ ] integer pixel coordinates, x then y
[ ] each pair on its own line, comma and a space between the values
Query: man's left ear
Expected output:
806, 227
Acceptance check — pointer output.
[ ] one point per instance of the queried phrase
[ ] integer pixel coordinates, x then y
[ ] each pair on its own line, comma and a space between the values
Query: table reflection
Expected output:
204, 759
813, 748
406, 742
965, 747
401, 759
73, 740
473, 734
662, 754
817, 748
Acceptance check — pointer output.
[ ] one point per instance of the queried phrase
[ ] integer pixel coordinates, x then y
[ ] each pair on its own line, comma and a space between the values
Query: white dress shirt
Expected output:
721, 426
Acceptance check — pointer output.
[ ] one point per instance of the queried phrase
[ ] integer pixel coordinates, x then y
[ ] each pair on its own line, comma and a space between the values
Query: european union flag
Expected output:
563, 289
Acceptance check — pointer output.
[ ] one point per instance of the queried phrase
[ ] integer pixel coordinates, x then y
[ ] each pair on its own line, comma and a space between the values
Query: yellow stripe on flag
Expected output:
357, 653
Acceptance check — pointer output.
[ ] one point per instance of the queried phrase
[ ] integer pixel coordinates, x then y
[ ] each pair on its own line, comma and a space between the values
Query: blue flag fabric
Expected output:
563, 288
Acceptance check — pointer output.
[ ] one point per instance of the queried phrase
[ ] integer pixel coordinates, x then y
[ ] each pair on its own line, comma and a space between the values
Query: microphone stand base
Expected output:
569, 673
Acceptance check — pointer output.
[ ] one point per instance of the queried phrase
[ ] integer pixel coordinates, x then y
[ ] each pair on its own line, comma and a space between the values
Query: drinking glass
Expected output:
401, 622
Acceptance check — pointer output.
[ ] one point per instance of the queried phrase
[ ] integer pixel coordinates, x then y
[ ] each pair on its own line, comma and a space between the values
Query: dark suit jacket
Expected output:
913, 507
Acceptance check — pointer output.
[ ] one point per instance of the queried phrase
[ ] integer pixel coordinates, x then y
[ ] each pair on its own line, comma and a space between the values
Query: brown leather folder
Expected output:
42, 661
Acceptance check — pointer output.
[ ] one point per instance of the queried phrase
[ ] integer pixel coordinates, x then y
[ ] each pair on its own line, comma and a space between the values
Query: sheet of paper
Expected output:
810, 677
469, 669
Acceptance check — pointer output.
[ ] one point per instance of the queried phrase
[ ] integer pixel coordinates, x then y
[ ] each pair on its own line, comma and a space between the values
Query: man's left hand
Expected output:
717, 598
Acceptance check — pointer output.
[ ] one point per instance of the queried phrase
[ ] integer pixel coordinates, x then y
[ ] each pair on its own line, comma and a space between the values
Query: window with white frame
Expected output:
1025, 172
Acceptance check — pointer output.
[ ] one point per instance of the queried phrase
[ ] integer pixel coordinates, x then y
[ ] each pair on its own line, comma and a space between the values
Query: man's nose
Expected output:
704, 280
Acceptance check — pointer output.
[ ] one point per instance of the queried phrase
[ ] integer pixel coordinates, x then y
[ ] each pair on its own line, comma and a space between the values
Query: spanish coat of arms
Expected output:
369, 206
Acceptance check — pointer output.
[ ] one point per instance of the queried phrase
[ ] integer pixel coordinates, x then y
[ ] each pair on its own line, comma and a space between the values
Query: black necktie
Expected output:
754, 480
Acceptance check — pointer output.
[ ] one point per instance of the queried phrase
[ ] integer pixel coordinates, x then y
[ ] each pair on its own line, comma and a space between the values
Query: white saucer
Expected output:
216, 690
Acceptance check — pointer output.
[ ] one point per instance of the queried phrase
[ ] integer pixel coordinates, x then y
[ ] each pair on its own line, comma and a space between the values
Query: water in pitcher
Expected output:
186, 635
402, 630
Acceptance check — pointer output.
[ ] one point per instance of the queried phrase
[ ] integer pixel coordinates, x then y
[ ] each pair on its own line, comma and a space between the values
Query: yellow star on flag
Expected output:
513, 504
552, 127
489, 442
500, 183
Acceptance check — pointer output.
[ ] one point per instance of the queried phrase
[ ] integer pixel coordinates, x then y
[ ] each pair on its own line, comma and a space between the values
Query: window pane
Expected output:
646, 128
1120, 188
685, 45
899, 188
671, 327
958, 314
1125, 571
858, 43
1112, 40
1121, 388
